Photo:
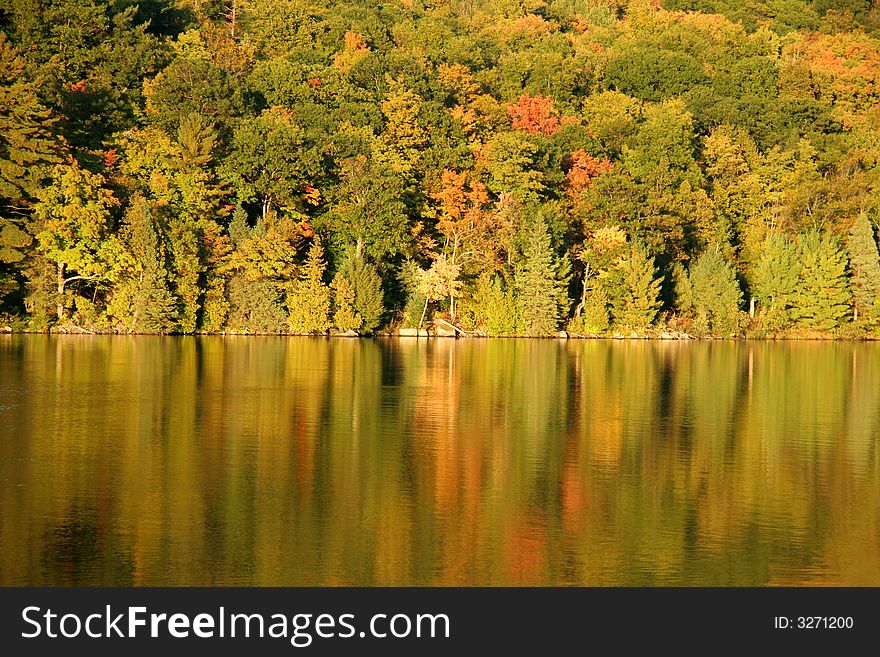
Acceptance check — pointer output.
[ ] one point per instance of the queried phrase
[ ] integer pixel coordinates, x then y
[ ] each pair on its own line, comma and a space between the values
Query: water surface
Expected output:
298, 461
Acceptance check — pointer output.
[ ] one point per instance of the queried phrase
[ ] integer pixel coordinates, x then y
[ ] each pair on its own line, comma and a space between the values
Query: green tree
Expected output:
345, 317
713, 296
822, 297
775, 281
142, 300
366, 286
864, 262
309, 298
73, 215
634, 290
492, 307
541, 282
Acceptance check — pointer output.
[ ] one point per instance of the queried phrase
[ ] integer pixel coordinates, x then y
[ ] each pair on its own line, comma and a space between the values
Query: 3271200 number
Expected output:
824, 622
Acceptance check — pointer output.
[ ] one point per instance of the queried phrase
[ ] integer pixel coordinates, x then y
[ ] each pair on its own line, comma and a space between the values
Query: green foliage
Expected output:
309, 297
775, 281
541, 280
712, 296
634, 290
345, 317
493, 307
426, 133
864, 262
255, 306
594, 318
822, 298
366, 286
141, 301
416, 299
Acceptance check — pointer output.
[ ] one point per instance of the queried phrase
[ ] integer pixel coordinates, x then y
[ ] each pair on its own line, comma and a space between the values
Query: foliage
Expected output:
517, 166
309, 297
822, 297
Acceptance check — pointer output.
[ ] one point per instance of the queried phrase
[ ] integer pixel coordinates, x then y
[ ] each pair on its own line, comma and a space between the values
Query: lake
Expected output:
310, 461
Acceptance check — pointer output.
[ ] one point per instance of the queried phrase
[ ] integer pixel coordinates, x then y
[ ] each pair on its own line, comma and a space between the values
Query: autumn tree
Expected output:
309, 296
142, 301
73, 216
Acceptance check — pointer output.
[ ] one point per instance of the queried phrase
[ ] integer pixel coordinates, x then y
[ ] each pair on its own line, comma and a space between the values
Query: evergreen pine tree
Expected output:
822, 299
309, 300
635, 290
345, 317
409, 276
141, 297
594, 317
493, 306
715, 295
775, 280
864, 262
367, 288
541, 282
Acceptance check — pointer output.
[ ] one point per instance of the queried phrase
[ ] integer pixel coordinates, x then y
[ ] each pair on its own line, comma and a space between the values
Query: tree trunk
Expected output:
752, 307
59, 308
424, 310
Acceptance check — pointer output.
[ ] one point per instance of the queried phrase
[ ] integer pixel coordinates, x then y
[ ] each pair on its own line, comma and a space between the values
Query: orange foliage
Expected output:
584, 168
534, 114
354, 50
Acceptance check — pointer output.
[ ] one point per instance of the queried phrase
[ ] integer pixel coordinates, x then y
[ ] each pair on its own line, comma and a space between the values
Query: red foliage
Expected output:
584, 167
314, 83
534, 114
78, 87
110, 158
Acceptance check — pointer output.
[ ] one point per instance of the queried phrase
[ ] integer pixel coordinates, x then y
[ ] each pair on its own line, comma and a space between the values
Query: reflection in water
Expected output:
297, 461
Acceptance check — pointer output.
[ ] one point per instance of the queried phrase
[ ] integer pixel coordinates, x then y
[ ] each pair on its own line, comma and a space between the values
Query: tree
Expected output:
775, 281
142, 300
493, 306
822, 297
864, 262
534, 115
345, 317
713, 295
73, 215
541, 282
271, 162
439, 281
366, 287
634, 290
309, 298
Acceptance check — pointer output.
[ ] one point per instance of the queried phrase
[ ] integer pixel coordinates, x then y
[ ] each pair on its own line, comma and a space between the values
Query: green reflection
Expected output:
297, 461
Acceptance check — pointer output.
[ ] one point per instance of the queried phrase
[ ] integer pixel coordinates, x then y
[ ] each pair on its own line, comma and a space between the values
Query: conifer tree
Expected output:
345, 317
367, 289
593, 317
541, 281
635, 290
309, 299
775, 280
864, 262
822, 298
715, 295
494, 306
141, 297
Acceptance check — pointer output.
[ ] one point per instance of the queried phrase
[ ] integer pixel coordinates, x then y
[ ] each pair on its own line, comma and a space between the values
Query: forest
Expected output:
510, 167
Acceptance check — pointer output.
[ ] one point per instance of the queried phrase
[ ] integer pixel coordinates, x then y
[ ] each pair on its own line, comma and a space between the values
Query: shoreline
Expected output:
663, 336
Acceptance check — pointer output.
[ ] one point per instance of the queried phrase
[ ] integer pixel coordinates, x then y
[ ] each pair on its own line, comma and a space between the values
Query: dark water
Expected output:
277, 461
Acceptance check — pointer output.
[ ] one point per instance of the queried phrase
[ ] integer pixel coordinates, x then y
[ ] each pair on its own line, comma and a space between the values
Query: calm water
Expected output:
276, 461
